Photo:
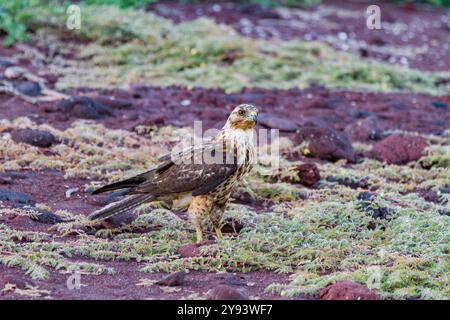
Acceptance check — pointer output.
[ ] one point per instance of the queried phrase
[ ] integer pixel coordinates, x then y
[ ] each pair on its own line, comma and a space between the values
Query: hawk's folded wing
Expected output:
197, 169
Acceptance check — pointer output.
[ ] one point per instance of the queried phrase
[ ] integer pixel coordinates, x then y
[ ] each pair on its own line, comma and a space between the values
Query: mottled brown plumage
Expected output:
199, 177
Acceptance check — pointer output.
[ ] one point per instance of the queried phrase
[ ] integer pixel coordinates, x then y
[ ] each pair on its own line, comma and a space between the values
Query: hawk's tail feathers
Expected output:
120, 206
129, 183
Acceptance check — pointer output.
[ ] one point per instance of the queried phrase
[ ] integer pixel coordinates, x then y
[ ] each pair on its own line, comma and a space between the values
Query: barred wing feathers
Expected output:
182, 172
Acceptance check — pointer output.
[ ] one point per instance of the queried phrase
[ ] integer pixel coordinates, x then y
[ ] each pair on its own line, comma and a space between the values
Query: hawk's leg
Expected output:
216, 217
199, 209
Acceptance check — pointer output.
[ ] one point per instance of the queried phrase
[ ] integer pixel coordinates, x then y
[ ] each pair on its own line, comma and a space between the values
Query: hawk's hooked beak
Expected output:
254, 116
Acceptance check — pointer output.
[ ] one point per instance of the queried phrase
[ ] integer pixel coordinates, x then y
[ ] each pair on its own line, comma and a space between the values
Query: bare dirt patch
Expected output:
129, 283
181, 107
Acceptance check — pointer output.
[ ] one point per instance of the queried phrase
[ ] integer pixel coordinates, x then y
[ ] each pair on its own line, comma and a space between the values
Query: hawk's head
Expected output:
243, 117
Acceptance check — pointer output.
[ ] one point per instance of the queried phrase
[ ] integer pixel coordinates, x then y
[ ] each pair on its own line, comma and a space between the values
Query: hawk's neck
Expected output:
237, 136
243, 144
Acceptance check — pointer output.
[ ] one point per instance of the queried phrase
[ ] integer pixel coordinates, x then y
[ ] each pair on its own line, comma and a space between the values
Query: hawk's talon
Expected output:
218, 233
199, 233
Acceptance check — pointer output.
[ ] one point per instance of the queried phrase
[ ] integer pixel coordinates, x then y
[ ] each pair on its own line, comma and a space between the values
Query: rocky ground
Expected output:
357, 210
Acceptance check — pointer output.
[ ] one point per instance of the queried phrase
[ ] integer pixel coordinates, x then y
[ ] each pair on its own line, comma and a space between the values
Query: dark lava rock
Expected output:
5, 180
348, 182
243, 197
113, 102
83, 107
37, 138
231, 279
376, 40
429, 195
366, 203
326, 144
120, 220
307, 174
9, 177
346, 290
273, 122
138, 90
15, 175
439, 105
444, 213
363, 130
174, 279
361, 114
397, 149
14, 196
47, 217
5, 63
28, 88
189, 250
15, 280
227, 292
232, 226
363, 52
310, 121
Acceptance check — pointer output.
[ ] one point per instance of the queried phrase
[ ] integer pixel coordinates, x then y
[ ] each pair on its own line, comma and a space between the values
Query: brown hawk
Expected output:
200, 177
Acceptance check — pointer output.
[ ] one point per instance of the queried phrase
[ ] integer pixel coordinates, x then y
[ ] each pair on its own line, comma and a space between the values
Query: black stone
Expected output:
83, 107
15, 196
365, 203
231, 279
5, 63
173, 279
37, 138
348, 182
28, 88
439, 104
47, 217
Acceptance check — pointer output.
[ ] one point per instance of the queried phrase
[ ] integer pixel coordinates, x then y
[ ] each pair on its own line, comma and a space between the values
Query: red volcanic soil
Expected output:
122, 284
342, 24
287, 110
346, 290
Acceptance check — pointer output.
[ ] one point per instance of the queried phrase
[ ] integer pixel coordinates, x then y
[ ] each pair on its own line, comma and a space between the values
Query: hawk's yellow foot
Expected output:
218, 233
199, 233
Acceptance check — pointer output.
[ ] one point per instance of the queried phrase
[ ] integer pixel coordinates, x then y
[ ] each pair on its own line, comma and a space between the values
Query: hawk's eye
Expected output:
241, 112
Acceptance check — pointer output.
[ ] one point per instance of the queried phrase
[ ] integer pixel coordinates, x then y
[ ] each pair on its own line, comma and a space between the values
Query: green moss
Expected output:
128, 46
